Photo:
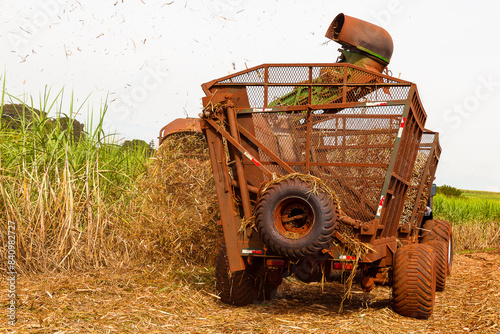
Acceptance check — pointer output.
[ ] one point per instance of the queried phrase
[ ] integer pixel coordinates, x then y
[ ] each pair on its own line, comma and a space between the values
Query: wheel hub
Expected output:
293, 218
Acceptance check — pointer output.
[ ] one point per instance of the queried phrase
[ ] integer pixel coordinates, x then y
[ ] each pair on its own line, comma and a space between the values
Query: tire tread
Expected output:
236, 288
328, 208
438, 229
414, 281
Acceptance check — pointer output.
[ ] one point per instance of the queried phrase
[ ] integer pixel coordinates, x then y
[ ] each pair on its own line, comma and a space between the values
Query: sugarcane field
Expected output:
336, 172
176, 293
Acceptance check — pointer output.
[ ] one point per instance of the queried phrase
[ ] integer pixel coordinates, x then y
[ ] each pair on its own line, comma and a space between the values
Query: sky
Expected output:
148, 59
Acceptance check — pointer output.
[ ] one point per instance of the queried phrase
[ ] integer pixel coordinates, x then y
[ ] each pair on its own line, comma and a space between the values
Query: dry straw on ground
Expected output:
168, 284
165, 299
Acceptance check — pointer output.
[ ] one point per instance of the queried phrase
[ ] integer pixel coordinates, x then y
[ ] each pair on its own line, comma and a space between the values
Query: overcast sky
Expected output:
149, 58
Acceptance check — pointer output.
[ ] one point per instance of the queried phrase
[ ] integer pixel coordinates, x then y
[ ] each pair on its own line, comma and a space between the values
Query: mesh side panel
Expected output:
321, 95
419, 176
358, 188
361, 141
427, 138
355, 75
388, 93
419, 167
255, 96
328, 75
288, 74
416, 179
282, 134
256, 76
287, 95
349, 150
291, 86
299, 95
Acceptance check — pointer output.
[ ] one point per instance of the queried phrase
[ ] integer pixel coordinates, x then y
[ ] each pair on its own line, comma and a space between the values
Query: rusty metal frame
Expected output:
226, 132
273, 156
235, 143
208, 87
427, 178
230, 221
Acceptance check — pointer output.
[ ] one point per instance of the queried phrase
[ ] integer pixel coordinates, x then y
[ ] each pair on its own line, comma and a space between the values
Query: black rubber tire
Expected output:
236, 288
267, 283
310, 270
317, 225
441, 249
267, 290
438, 229
414, 281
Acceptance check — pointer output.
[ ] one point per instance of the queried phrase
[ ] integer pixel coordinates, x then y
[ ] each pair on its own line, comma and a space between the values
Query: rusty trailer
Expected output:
326, 166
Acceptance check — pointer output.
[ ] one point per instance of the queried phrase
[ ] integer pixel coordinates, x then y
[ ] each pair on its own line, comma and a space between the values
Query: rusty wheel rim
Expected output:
293, 218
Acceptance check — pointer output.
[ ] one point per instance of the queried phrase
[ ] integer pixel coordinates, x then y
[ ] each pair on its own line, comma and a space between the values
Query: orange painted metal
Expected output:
357, 130
351, 125
361, 36
180, 125
225, 194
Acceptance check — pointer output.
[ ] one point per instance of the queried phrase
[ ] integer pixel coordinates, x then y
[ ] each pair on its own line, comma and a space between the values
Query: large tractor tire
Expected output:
438, 229
237, 288
294, 220
414, 281
441, 250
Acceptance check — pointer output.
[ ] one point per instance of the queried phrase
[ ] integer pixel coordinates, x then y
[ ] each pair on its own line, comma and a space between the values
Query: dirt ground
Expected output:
160, 300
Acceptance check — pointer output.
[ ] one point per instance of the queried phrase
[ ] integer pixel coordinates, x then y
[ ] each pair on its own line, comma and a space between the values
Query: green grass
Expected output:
471, 207
66, 195
87, 203
471, 251
484, 195
475, 217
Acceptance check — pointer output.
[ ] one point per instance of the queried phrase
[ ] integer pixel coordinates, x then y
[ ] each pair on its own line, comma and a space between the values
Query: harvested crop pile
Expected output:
178, 206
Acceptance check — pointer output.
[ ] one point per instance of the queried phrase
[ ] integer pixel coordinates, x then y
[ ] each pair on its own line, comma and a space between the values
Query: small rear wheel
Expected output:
414, 281
440, 247
311, 270
438, 229
268, 283
233, 288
